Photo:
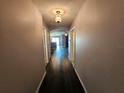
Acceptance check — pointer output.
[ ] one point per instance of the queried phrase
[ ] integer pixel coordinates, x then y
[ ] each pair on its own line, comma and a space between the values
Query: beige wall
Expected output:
21, 65
99, 30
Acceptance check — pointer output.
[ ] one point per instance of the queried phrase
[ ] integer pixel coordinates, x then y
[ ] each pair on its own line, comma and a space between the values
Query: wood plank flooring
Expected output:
61, 77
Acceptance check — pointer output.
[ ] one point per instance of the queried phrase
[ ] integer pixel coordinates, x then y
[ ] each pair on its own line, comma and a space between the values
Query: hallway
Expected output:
61, 77
92, 31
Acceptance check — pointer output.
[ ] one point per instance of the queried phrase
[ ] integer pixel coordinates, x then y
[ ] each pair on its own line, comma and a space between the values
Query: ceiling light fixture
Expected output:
58, 14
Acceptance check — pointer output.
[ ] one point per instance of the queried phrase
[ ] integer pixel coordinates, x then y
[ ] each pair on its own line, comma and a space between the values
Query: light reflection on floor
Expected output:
61, 77
58, 58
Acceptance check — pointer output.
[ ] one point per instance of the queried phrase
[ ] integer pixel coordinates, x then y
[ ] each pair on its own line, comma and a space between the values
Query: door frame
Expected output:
45, 45
72, 44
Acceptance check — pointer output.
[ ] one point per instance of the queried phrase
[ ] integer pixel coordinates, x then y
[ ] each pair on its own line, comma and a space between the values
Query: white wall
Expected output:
99, 30
21, 53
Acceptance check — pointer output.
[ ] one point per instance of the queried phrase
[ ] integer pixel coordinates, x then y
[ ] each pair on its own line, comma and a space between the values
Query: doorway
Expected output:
56, 40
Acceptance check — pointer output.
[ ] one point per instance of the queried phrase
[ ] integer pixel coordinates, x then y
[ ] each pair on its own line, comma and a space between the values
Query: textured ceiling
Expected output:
71, 8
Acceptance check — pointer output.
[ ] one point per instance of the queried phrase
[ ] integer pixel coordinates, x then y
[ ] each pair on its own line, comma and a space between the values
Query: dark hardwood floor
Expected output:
60, 77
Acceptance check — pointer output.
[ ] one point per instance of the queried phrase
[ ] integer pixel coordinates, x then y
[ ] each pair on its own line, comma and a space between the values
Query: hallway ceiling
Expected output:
71, 8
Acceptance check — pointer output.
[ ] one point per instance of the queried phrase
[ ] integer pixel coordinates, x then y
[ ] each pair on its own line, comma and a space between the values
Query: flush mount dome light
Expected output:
58, 14
58, 19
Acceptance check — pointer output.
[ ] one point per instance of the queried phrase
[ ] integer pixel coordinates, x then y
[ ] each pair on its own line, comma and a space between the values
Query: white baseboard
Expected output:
80, 80
40, 83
